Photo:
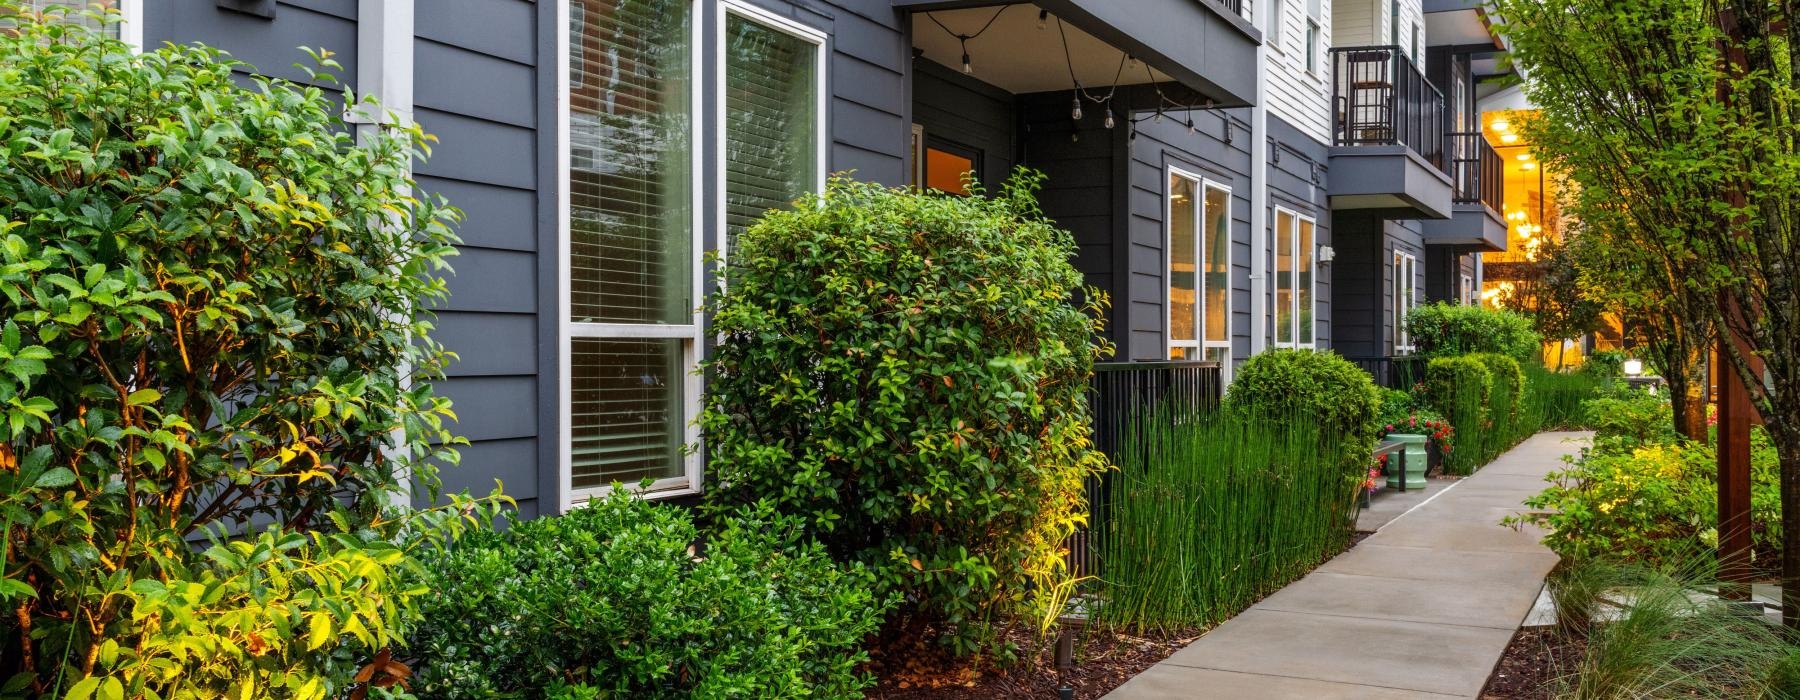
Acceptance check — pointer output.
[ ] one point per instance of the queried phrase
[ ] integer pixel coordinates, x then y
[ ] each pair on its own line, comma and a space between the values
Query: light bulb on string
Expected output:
966, 67
1190, 125
1075, 113
1043, 19
1109, 118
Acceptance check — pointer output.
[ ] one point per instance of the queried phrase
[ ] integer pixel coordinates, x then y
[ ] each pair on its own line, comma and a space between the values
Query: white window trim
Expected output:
822, 93
1312, 297
1200, 343
1406, 269
131, 31
1315, 32
567, 330
1278, 18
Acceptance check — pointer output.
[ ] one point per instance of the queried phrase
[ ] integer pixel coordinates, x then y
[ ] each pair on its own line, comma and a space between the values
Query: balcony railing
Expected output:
1393, 372
1381, 99
1121, 398
1235, 7
1475, 168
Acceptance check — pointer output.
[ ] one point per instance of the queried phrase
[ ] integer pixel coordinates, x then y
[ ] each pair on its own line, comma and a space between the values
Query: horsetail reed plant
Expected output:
1209, 513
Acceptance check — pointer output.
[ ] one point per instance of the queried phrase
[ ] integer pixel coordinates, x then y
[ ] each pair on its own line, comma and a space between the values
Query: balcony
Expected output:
1388, 136
1477, 182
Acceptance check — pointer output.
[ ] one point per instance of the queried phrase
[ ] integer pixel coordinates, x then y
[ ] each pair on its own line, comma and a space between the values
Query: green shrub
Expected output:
216, 374
1402, 412
1216, 512
908, 373
610, 597
1459, 388
1651, 503
1442, 329
1554, 399
1637, 419
1605, 364
1314, 387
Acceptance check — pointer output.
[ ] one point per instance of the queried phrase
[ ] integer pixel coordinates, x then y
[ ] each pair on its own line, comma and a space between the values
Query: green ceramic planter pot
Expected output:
1417, 461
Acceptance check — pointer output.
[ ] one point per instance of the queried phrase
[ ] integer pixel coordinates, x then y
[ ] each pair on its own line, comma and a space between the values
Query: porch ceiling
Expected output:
1018, 57
1196, 43
1460, 27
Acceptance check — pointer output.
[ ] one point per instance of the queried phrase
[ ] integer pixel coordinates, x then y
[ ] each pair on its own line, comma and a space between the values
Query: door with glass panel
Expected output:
1198, 242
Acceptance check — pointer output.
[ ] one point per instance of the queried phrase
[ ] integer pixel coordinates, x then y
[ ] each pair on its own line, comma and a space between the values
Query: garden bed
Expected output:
1533, 662
1103, 661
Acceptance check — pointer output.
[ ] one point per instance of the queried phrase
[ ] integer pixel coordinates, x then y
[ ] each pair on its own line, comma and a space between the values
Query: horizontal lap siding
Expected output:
1208, 152
961, 109
1080, 195
1301, 98
475, 86
1292, 186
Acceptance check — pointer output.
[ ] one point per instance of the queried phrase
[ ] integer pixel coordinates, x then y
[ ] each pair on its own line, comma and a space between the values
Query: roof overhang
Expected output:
1390, 179
1472, 226
1197, 43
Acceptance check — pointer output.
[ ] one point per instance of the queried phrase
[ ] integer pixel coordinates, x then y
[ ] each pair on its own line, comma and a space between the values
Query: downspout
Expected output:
1259, 191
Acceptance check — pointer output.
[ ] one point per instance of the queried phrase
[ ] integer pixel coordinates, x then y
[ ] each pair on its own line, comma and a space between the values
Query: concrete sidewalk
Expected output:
1421, 609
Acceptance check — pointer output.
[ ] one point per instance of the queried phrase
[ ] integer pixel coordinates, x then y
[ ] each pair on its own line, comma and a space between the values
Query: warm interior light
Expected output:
1509, 137
1528, 166
1523, 156
1502, 125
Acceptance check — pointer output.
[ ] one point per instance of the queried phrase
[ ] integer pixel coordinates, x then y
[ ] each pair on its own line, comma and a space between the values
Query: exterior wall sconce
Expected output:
1326, 254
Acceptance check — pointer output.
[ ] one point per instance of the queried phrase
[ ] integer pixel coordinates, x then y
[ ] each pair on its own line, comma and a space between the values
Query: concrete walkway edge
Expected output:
1421, 609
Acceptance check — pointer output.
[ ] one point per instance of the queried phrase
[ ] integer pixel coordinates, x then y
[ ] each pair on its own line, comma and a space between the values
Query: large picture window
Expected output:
1296, 272
1199, 268
1406, 297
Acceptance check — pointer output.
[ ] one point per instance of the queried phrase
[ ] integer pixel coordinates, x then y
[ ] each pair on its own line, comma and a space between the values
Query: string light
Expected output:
964, 39
1076, 101
1043, 20
1109, 118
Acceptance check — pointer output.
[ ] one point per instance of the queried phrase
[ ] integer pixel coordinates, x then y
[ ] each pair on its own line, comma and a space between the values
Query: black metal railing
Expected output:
1235, 7
1381, 99
1393, 372
1121, 398
1476, 170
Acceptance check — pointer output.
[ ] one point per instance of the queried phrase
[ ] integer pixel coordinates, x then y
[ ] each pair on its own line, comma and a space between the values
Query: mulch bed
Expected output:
1532, 664
1103, 662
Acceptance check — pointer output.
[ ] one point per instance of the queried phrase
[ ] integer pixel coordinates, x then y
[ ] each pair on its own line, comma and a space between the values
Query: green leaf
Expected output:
318, 630
14, 588
83, 689
55, 479
143, 396
111, 689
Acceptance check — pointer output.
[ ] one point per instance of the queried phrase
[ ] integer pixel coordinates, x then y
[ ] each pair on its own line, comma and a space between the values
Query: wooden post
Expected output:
1734, 474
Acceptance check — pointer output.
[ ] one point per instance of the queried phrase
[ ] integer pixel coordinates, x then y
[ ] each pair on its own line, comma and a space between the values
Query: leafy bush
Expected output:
1605, 364
1402, 412
1458, 388
1442, 329
216, 366
1553, 400
1636, 419
1652, 502
1215, 513
1312, 387
908, 373
610, 599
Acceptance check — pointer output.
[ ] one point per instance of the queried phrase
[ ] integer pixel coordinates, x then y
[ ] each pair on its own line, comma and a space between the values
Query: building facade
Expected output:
1239, 174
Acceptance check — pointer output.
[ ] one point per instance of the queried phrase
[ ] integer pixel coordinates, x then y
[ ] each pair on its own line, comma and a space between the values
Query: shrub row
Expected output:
1443, 329
1494, 402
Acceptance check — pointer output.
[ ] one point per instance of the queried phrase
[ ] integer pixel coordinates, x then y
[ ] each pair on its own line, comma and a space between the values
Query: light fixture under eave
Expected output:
1502, 125
1528, 166
1509, 137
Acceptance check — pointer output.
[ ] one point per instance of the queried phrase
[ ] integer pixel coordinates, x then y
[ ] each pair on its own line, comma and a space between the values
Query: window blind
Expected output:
631, 235
630, 162
1284, 278
771, 115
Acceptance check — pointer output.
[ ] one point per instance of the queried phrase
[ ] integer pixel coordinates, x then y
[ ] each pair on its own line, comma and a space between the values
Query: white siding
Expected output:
1369, 23
1299, 97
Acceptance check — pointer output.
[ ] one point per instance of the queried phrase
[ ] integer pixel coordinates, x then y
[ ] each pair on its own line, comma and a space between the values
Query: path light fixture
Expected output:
1633, 367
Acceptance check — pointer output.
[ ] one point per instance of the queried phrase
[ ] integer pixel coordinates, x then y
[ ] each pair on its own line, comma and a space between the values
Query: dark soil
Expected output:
1103, 662
1532, 665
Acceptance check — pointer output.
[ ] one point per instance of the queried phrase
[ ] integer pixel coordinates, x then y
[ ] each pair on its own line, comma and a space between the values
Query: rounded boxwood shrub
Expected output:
908, 373
1443, 329
1307, 385
614, 600
215, 372
1506, 388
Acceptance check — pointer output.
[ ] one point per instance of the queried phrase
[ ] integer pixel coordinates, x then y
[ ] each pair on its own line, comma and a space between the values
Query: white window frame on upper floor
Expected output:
132, 30
821, 103
692, 479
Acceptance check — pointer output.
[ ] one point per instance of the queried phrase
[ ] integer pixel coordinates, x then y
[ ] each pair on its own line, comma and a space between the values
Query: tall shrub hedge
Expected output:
1312, 386
216, 362
907, 372
1442, 329
1459, 388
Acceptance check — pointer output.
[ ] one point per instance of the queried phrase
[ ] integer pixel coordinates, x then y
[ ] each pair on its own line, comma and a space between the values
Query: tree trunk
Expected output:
1787, 447
1689, 402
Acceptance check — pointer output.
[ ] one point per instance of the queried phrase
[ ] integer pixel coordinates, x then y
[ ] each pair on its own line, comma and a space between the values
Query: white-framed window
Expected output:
631, 274
1277, 18
631, 244
1314, 24
131, 13
1406, 297
1197, 241
772, 114
1467, 295
1296, 279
